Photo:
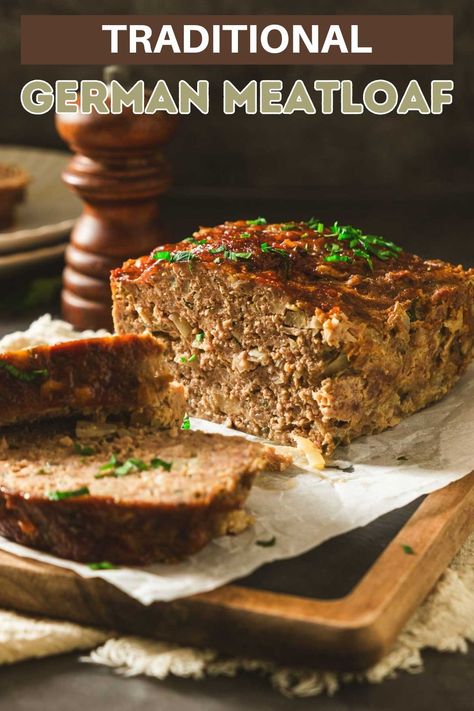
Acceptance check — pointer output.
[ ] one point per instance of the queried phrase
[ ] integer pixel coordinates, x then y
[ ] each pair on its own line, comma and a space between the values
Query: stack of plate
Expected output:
45, 218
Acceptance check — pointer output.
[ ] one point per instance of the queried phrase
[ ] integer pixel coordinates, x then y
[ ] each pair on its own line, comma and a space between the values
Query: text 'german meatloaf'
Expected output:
325, 332
126, 495
93, 376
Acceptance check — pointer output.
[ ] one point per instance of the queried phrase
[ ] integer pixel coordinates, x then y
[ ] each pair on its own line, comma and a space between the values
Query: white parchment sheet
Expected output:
301, 508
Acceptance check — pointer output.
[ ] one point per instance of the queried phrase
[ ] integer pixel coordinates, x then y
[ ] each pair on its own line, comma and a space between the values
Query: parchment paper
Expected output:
301, 508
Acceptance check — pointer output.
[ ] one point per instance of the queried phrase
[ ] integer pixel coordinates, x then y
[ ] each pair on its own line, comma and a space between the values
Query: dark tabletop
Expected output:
434, 226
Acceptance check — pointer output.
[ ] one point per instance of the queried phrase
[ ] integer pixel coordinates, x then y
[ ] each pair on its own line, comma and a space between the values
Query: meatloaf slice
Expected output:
324, 332
131, 496
97, 376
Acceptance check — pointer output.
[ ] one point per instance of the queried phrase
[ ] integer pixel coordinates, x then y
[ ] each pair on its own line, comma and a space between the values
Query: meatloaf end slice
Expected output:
130, 496
302, 329
94, 376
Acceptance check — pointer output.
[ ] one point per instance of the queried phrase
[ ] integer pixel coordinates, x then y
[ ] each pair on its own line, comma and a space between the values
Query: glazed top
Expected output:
319, 265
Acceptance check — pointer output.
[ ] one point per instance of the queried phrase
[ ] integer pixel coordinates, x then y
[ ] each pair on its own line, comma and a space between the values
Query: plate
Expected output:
12, 263
49, 210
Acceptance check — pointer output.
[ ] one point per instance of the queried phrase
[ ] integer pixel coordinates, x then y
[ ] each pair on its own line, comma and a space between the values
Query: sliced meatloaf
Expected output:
324, 332
126, 495
96, 376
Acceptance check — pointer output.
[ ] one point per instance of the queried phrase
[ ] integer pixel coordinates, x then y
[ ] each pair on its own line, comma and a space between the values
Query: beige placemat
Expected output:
444, 622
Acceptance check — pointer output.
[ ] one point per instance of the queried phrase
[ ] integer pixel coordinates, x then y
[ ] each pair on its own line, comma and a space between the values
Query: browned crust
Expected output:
303, 274
114, 374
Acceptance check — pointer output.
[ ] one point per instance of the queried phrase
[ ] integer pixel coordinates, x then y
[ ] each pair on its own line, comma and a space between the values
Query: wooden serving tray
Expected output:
348, 633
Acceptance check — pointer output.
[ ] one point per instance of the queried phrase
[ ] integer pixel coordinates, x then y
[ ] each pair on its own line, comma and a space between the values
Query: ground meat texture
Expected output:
273, 339
184, 488
98, 376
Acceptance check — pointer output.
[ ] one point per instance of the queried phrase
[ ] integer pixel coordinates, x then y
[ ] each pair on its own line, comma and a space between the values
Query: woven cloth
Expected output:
445, 622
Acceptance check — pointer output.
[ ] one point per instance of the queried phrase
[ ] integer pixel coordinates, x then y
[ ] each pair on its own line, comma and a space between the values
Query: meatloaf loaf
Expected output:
128, 495
324, 332
98, 376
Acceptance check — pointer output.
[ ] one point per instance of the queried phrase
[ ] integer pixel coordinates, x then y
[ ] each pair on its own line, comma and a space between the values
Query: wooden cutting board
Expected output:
349, 633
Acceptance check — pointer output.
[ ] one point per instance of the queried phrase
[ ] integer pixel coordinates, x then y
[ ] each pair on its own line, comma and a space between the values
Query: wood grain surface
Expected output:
348, 633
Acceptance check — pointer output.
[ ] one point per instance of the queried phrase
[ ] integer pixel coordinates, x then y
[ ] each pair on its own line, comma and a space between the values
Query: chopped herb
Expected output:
157, 462
408, 549
162, 255
217, 250
245, 235
266, 544
365, 246
26, 376
182, 256
83, 450
288, 226
257, 221
114, 468
127, 468
186, 425
178, 256
192, 357
183, 359
193, 240
111, 464
320, 227
266, 249
103, 565
313, 223
60, 495
234, 256
199, 337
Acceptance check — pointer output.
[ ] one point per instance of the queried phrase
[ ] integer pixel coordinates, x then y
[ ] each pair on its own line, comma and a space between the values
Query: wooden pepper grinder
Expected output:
119, 172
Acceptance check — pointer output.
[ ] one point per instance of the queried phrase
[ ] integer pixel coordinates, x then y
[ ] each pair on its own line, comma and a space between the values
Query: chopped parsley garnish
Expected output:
162, 255
245, 235
157, 462
257, 221
266, 544
115, 468
229, 254
234, 256
186, 424
364, 246
193, 240
408, 549
266, 249
83, 450
103, 565
199, 337
60, 495
26, 376
184, 359
111, 464
313, 224
178, 256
